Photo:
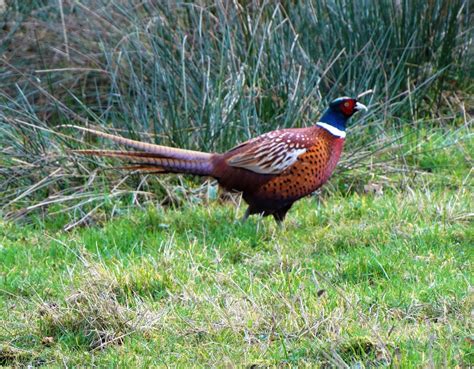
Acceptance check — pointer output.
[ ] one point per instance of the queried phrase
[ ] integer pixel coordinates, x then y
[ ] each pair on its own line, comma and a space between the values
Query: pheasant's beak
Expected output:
359, 107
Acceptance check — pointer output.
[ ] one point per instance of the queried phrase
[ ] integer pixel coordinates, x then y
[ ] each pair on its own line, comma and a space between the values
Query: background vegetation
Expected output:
207, 75
375, 274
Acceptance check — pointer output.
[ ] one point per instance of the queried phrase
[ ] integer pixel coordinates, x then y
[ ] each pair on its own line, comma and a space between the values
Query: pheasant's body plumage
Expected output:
302, 161
272, 170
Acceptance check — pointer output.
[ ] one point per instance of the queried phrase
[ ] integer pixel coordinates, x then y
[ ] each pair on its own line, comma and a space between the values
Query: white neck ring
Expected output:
333, 130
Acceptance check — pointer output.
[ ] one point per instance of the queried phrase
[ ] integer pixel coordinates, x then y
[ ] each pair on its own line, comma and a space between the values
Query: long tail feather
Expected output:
142, 168
151, 162
165, 151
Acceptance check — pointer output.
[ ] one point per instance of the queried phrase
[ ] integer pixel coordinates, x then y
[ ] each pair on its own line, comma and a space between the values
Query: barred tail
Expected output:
157, 150
150, 162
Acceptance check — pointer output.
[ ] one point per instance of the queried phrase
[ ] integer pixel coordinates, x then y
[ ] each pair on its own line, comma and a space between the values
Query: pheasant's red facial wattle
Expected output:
347, 107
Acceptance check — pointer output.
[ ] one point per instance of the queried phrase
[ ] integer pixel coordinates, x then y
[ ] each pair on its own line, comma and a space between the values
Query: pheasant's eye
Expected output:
346, 104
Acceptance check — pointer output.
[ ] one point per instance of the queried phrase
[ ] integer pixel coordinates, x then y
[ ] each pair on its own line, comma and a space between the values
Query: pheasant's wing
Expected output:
271, 153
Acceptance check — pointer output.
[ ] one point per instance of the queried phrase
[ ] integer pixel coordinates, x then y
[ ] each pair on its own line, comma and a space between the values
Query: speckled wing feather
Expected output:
271, 153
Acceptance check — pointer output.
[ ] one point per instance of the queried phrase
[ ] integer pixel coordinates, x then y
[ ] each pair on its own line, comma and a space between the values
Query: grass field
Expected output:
353, 279
102, 268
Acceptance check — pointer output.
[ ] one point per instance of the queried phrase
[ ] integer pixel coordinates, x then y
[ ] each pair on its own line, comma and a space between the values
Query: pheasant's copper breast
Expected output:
308, 173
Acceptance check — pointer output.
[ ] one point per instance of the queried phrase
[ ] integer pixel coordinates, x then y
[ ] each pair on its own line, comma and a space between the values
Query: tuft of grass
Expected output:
96, 314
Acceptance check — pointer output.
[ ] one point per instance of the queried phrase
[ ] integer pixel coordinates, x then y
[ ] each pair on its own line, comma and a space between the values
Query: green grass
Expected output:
353, 278
356, 278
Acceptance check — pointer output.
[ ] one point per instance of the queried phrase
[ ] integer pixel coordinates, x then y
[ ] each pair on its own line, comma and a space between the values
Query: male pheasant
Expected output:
272, 170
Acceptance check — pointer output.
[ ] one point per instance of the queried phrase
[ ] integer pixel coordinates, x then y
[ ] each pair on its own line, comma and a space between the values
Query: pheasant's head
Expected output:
347, 106
339, 111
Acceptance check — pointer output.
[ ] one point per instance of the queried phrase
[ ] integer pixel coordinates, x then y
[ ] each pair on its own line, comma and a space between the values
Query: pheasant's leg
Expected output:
246, 215
280, 214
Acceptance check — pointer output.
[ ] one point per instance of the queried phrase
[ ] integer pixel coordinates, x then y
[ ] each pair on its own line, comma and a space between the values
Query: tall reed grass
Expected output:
206, 75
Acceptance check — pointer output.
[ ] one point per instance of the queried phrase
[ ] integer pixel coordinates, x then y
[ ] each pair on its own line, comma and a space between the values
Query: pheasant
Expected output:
272, 170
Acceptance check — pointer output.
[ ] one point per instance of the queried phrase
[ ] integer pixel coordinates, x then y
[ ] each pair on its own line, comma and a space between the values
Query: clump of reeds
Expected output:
205, 75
